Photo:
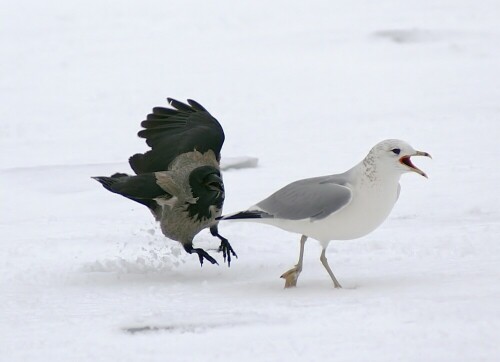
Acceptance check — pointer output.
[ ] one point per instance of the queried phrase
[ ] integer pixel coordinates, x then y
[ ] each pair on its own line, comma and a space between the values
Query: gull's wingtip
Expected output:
247, 214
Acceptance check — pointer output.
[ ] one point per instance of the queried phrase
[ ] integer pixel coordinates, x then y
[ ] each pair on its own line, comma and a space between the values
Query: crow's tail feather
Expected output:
113, 184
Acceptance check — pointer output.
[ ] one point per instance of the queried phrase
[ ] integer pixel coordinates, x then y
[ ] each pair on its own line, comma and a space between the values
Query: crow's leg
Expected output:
292, 275
225, 247
201, 253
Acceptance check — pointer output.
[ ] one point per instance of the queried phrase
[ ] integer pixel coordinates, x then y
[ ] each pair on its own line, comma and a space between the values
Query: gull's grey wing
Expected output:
174, 131
314, 198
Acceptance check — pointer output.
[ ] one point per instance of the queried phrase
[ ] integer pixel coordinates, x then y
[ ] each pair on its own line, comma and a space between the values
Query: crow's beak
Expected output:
214, 183
405, 160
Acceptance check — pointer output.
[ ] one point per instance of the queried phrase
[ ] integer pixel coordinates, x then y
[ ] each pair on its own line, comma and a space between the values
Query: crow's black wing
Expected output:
171, 132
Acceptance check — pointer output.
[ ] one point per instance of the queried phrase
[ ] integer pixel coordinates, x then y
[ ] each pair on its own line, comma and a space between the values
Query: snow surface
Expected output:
307, 88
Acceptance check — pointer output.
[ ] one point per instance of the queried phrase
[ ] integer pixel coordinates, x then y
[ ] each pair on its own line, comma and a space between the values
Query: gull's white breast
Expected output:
370, 205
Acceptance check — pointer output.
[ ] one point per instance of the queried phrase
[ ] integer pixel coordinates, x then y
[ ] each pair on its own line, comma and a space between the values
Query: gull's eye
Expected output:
396, 151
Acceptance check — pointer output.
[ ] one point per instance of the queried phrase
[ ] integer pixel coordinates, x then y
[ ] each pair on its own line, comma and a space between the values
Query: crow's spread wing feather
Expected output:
174, 131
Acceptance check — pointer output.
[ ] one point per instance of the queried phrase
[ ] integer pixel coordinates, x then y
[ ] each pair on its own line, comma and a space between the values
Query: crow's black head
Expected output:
207, 186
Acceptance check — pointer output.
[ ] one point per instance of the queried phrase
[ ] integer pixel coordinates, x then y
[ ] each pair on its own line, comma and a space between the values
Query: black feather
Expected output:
179, 105
196, 105
199, 180
172, 132
248, 214
162, 111
142, 188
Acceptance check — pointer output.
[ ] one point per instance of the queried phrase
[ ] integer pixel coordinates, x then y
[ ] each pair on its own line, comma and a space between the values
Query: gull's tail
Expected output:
247, 214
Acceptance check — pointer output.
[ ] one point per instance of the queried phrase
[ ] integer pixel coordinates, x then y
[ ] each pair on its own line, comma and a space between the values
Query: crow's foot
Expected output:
227, 250
225, 247
202, 254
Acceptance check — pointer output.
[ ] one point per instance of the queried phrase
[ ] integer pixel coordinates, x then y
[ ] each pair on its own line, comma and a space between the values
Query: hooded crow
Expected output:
179, 179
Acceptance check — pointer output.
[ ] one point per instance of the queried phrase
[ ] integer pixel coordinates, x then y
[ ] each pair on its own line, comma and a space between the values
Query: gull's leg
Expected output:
292, 275
324, 261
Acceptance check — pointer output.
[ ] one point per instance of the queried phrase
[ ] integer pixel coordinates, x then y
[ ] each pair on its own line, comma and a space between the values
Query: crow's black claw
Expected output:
225, 247
227, 250
202, 254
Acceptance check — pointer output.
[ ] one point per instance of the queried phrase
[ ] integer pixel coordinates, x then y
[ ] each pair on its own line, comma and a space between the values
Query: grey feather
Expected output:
313, 198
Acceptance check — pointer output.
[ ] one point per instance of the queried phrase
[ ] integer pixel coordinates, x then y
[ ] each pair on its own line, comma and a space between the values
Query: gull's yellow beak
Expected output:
405, 160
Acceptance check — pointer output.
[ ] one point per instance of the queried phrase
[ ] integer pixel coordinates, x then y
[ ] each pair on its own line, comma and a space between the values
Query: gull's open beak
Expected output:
405, 160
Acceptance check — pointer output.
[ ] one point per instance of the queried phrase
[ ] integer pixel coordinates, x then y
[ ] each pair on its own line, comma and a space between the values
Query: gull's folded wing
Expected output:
314, 198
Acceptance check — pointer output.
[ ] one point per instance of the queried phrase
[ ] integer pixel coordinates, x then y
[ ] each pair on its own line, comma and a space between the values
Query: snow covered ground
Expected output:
306, 87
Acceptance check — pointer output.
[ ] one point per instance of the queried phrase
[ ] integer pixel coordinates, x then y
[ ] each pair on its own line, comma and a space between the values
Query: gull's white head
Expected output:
395, 155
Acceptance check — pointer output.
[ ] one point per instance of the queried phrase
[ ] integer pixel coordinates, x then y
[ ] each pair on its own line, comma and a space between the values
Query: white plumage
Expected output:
337, 207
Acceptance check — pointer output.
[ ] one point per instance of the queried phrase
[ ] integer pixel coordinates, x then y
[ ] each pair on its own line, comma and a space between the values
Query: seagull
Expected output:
343, 206
179, 179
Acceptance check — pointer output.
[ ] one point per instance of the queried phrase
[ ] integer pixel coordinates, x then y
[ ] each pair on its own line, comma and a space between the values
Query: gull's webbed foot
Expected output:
202, 254
225, 247
291, 276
